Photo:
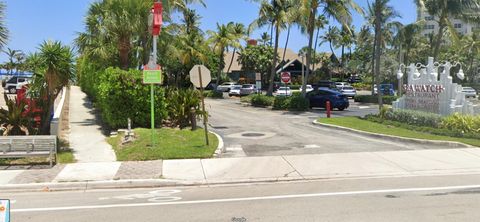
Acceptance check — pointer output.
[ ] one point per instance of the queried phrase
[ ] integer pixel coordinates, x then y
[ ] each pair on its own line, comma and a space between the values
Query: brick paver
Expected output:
140, 170
38, 175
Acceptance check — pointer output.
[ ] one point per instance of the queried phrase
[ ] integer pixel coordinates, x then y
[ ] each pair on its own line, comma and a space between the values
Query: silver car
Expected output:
348, 91
225, 87
248, 89
469, 92
235, 91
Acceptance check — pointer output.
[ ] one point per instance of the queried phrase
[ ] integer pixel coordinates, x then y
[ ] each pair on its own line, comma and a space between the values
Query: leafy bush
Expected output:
247, 99
462, 123
281, 102
374, 99
262, 100
213, 94
413, 117
121, 94
179, 105
298, 103
294, 87
362, 86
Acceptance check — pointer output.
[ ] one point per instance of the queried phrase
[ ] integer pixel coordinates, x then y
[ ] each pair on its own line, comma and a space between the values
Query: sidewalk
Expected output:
86, 138
249, 169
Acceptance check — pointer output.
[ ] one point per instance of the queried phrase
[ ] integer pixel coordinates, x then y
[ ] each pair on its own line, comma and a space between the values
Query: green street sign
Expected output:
152, 77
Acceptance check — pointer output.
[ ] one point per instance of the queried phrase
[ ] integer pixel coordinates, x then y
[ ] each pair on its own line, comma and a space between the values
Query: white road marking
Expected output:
364, 107
346, 193
311, 146
152, 196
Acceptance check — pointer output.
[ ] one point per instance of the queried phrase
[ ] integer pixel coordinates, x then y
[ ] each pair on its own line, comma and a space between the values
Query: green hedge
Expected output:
292, 103
121, 94
374, 99
260, 100
213, 94
413, 117
362, 86
462, 123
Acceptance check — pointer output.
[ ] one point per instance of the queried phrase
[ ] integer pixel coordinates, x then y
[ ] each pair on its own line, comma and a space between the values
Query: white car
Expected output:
469, 92
235, 91
226, 86
341, 84
348, 91
284, 91
309, 88
11, 85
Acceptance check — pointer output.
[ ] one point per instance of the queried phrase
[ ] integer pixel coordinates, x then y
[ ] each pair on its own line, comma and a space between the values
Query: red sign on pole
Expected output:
157, 18
285, 76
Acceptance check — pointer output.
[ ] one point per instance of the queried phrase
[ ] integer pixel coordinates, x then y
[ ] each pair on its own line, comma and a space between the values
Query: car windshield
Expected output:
237, 87
467, 88
247, 86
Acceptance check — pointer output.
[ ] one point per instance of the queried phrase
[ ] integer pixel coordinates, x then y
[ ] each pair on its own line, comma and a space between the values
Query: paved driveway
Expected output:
249, 131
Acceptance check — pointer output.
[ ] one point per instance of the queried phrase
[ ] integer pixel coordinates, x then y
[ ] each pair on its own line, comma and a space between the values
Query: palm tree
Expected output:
15, 58
56, 67
407, 38
444, 11
383, 14
332, 36
278, 13
471, 44
3, 26
223, 38
238, 30
264, 38
338, 10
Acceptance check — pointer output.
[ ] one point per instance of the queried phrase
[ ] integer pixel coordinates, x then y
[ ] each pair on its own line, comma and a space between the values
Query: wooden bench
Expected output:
29, 146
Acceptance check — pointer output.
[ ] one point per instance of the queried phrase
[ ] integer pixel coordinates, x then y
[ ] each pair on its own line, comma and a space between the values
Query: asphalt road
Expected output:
438, 198
250, 131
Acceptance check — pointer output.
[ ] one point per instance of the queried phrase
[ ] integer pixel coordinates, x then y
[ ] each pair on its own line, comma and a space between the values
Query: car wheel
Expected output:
12, 90
341, 109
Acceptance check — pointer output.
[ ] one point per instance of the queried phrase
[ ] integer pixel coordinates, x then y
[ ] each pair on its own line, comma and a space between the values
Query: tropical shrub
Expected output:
16, 120
122, 95
262, 100
413, 117
281, 103
298, 103
362, 86
374, 99
213, 94
462, 123
180, 103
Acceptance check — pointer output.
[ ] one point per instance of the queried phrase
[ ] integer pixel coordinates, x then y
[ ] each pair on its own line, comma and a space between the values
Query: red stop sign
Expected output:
285, 76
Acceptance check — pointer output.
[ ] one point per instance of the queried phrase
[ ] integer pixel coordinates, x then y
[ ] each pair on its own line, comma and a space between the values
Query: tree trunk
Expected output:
220, 66
271, 33
310, 29
124, 51
315, 50
373, 66
274, 63
231, 61
342, 62
378, 50
286, 43
438, 41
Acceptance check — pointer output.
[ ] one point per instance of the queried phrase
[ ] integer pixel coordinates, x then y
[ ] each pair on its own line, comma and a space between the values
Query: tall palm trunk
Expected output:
220, 65
343, 60
438, 41
286, 43
274, 63
315, 49
378, 50
310, 29
124, 51
231, 61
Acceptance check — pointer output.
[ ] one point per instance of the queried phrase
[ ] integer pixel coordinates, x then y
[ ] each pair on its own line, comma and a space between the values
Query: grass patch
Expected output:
65, 156
368, 126
169, 144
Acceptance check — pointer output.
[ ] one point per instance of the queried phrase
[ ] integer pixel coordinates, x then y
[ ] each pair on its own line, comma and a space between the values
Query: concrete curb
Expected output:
396, 138
221, 146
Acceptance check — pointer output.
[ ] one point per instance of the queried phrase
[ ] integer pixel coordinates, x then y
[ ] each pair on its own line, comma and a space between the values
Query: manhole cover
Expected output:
253, 134
220, 127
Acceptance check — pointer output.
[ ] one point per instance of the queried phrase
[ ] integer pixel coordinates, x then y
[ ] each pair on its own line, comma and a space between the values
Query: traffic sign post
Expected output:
286, 78
200, 76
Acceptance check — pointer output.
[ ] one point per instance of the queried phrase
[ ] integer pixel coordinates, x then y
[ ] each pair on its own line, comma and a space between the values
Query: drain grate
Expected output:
220, 127
253, 134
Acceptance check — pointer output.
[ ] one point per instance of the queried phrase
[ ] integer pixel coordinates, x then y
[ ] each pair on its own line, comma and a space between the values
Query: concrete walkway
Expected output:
86, 138
249, 169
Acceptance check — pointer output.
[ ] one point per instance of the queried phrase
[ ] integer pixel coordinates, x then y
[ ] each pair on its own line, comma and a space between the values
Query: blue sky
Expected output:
32, 21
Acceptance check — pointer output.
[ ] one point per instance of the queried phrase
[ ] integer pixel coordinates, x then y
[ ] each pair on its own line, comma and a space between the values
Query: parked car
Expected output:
248, 89
226, 86
235, 91
11, 85
284, 91
341, 84
386, 89
354, 79
469, 92
211, 86
326, 84
319, 98
309, 88
348, 91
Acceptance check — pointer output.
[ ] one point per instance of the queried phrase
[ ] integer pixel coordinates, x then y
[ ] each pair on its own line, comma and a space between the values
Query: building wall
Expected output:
431, 25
